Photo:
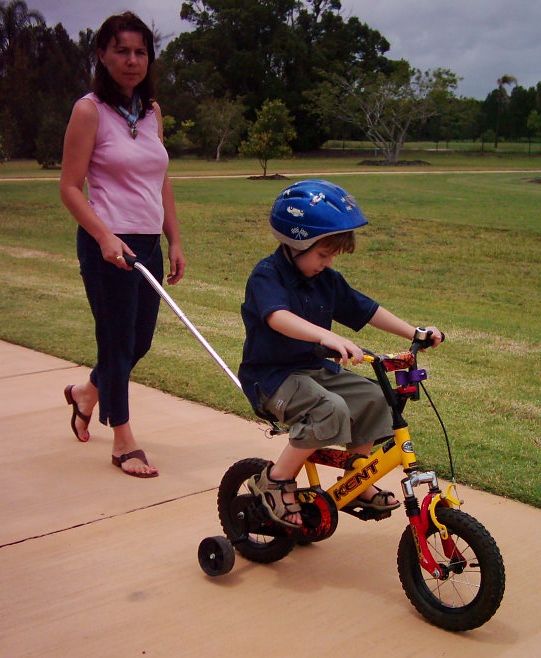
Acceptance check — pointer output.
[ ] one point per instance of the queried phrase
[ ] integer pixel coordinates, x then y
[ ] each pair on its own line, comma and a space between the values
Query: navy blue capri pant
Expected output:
125, 309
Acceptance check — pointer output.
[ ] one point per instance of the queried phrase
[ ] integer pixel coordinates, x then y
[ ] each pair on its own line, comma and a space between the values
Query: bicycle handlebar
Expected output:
417, 344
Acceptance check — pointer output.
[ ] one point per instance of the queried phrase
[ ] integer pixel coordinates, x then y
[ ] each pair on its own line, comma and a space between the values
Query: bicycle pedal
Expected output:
365, 514
257, 512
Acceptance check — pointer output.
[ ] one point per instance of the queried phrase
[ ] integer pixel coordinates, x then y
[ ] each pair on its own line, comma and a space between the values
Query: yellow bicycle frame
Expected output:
366, 471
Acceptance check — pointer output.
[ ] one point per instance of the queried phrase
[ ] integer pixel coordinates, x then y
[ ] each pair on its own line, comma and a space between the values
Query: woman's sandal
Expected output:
378, 502
136, 454
76, 412
270, 493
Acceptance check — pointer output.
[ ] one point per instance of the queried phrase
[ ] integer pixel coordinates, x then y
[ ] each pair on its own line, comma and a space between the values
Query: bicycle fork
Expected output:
420, 518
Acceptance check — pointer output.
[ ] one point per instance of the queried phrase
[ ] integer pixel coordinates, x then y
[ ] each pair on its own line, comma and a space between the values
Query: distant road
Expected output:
296, 174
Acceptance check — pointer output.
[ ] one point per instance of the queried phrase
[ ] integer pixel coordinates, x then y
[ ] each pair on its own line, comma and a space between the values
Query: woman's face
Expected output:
126, 60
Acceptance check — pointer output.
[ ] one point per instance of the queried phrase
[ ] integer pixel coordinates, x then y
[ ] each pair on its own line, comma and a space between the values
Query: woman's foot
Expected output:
135, 463
83, 399
128, 456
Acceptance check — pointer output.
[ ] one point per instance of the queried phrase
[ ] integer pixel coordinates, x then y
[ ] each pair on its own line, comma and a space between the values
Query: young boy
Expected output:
292, 298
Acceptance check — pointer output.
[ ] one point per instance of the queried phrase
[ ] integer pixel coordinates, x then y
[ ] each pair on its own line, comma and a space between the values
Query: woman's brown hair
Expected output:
103, 84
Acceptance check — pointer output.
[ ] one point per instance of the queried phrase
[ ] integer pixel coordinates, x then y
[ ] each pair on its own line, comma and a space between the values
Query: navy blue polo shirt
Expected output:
275, 284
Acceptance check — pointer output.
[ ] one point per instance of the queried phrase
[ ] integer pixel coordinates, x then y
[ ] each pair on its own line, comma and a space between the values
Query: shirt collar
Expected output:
290, 270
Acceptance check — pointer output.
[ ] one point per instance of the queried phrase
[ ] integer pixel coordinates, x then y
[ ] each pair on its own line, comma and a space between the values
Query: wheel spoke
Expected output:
474, 576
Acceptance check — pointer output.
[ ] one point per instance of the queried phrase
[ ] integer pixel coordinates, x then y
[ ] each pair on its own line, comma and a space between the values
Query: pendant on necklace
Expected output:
133, 131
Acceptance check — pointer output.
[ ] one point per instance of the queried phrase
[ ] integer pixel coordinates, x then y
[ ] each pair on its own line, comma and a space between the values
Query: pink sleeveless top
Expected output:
125, 175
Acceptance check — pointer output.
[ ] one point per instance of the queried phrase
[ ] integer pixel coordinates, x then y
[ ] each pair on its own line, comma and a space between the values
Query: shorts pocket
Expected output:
317, 424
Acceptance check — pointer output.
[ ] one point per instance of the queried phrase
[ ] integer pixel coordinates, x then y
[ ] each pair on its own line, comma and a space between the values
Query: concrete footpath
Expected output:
95, 563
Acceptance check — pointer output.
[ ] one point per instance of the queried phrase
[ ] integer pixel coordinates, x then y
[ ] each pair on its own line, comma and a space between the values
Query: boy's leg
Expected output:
290, 462
321, 409
316, 417
370, 417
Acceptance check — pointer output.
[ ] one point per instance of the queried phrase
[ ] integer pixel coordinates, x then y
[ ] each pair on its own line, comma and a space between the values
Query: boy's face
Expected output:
315, 260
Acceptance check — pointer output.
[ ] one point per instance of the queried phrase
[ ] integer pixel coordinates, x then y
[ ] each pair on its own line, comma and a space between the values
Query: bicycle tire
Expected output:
263, 542
216, 556
470, 596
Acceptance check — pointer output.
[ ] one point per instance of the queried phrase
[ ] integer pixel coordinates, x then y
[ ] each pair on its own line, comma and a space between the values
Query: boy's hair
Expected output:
103, 85
340, 243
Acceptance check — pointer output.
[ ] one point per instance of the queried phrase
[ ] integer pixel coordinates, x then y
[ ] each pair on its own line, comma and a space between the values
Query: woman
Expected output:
114, 140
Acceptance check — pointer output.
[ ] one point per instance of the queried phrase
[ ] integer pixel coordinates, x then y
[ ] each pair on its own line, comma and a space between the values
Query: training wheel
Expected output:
216, 556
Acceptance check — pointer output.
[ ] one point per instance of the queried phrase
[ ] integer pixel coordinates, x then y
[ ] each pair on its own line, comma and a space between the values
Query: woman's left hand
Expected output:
177, 264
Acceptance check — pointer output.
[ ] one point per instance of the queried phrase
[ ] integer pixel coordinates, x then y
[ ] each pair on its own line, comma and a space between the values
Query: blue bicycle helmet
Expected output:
309, 210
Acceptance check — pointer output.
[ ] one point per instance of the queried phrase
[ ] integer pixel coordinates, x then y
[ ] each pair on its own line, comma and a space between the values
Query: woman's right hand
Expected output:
112, 250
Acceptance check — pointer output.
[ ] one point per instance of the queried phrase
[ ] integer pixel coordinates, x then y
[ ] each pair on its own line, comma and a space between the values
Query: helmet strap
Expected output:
289, 254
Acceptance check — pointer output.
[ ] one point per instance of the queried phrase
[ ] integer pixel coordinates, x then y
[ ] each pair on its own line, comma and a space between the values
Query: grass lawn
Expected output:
452, 243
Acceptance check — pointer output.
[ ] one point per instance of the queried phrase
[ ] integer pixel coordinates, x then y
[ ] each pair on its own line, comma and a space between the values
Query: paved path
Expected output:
98, 564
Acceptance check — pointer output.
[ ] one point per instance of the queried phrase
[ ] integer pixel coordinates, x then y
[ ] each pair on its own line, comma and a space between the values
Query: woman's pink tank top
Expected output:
125, 175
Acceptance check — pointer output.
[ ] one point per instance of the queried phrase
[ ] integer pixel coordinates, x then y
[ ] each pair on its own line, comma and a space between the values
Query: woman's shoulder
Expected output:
87, 105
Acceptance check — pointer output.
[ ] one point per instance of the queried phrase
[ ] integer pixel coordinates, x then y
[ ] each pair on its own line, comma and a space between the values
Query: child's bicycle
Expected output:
449, 565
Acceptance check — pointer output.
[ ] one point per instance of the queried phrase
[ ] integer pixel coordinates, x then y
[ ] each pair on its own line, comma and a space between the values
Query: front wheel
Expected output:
474, 584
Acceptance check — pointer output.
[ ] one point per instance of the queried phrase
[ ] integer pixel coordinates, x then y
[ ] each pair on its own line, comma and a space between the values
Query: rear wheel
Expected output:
474, 584
243, 519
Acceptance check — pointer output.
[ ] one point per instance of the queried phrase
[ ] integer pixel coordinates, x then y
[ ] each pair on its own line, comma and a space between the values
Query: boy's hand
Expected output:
436, 336
347, 348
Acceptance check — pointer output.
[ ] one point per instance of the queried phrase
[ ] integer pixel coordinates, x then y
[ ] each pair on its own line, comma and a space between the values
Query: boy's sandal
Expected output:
270, 493
379, 501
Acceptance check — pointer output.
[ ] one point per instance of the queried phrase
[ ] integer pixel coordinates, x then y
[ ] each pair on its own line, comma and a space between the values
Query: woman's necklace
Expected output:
133, 115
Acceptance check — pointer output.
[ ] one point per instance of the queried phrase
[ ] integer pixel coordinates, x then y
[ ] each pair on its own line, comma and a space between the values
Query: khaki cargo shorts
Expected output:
322, 408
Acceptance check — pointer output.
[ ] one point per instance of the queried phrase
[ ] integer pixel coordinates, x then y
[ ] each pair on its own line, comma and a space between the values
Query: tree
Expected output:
221, 124
521, 103
176, 140
50, 140
385, 106
534, 126
502, 99
43, 75
15, 17
86, 50
252, 51
270, 135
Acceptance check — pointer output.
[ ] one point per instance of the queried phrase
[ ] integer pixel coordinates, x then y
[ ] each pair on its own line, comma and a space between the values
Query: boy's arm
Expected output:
293, 326
387, 321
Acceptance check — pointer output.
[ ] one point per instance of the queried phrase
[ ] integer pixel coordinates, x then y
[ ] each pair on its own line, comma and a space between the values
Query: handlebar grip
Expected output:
422, 344
323, 352
130, 260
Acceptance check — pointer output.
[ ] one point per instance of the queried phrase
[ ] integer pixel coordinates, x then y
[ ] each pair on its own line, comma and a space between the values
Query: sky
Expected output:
479, 40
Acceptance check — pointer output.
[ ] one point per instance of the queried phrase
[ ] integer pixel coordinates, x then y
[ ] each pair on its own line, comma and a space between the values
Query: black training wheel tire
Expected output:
473, 590
216, 556
262, 542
